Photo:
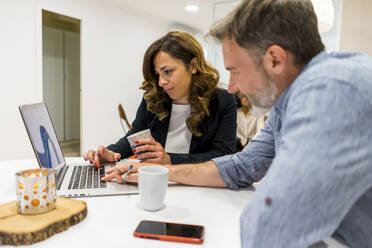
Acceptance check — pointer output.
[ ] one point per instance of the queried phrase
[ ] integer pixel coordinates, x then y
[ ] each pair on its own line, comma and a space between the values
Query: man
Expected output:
316, 148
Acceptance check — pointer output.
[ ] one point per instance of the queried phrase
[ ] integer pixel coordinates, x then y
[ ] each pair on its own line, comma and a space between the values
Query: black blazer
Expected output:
218, 130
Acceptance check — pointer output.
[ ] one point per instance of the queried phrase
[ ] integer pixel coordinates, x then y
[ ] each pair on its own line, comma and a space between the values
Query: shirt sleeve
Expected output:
244, 168
322, 167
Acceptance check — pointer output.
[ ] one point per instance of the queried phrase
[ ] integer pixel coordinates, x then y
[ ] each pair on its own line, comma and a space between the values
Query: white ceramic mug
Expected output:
152, 184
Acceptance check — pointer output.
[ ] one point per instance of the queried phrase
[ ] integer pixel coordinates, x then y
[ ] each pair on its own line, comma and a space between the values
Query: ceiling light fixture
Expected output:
192, 7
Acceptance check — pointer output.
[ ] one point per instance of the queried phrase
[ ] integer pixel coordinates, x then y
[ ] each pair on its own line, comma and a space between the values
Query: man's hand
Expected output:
117, 171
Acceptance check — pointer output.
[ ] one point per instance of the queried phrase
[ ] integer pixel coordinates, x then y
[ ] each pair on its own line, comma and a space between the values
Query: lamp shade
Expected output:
325, 11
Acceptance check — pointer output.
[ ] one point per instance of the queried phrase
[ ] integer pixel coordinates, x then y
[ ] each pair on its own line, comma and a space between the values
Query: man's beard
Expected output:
265, 97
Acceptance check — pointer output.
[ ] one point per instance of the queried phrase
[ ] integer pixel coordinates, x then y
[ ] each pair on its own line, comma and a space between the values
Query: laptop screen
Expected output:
42, 135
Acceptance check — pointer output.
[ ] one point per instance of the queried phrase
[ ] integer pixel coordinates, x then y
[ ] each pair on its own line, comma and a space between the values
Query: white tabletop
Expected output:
111, 220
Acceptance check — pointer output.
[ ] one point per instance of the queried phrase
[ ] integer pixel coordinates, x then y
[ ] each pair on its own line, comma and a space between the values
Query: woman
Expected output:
191, 120
248, 125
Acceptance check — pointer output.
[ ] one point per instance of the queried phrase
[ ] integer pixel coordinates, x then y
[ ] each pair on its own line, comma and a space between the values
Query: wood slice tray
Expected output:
19, 229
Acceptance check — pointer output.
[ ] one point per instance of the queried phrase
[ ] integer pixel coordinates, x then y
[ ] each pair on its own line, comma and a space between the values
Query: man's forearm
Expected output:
204, 174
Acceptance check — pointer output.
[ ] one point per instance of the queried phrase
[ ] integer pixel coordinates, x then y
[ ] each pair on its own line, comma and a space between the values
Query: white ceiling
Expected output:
174, 11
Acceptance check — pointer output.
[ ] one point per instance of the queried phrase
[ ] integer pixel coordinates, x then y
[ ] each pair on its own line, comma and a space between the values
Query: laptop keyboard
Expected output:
87, 177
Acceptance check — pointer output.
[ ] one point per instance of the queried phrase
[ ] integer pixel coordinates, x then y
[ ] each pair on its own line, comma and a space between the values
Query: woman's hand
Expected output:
117, 172
102, 155
151, 152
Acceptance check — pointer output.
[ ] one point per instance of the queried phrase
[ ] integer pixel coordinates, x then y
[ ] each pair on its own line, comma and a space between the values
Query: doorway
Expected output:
61, 78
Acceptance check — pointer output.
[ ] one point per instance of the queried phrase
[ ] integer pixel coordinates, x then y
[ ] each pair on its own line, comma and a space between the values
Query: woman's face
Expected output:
174, 77
245, 102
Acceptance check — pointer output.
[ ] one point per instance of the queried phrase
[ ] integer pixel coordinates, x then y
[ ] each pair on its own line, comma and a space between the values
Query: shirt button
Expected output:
268, 201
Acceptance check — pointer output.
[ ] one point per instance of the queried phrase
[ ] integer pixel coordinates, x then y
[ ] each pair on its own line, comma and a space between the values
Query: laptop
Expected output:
73, 180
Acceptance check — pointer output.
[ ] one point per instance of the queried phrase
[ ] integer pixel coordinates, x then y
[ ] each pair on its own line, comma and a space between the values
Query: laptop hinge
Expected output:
61, 175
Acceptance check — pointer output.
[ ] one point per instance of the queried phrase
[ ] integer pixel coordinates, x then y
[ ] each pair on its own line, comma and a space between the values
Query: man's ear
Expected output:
275, 59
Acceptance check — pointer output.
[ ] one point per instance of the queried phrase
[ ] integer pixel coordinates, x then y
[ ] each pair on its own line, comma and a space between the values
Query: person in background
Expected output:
190, 118
247, 124
314, 153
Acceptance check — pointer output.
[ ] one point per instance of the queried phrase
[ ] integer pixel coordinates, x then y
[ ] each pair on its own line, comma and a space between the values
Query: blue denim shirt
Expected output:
314, 159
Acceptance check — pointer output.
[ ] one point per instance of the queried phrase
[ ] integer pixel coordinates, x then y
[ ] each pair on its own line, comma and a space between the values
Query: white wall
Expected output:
17, 74
332, 38
356, 29
113, 41
221, 10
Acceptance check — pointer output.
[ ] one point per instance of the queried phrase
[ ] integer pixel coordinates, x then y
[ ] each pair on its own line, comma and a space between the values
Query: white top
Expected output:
179, 136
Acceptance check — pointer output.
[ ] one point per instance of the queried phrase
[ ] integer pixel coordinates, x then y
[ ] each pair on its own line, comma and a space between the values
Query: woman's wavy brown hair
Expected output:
185, 47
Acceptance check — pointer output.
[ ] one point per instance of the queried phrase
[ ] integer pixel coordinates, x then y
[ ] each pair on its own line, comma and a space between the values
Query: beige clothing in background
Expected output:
248, 126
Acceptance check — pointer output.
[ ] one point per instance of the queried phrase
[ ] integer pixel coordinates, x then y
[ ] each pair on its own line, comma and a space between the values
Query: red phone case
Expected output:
169, 237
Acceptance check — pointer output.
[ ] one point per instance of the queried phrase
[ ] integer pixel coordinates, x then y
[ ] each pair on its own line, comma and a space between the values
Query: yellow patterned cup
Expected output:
36, 190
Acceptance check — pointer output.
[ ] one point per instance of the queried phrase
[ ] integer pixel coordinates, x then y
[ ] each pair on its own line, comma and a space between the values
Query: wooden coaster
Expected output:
19, 229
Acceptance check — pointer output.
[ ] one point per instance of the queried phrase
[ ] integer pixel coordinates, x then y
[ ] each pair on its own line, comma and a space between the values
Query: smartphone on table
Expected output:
175, 232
